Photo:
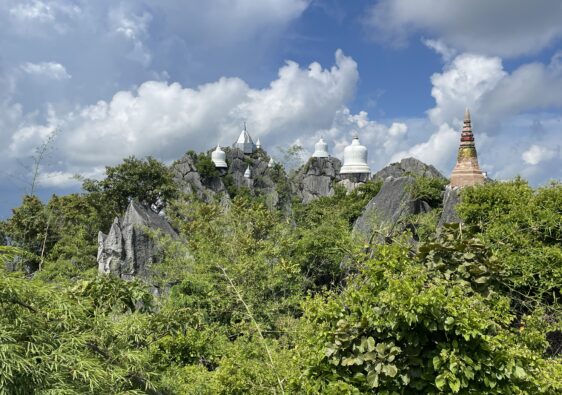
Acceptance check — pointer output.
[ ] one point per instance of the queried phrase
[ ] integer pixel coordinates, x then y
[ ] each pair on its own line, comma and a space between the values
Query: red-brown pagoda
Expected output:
467, 171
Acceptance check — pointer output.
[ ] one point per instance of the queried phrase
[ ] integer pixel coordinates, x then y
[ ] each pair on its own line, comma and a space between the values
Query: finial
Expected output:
244, 124
466, 115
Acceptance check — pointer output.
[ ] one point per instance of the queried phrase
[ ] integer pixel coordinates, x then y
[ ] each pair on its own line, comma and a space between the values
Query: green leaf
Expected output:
436, 362
454, 384
440, 382
390, 370
519, 373
373, 379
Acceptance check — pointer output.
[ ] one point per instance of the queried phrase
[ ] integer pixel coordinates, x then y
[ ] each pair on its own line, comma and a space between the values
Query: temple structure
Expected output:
218, 156
245, 142
355, 162
321, 149
467, 171
248, 172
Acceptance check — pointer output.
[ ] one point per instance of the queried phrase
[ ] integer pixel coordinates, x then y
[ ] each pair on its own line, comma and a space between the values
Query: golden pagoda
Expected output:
467, 171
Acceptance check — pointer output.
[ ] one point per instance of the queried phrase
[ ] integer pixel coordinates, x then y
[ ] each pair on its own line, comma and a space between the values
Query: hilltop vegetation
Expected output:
257, 301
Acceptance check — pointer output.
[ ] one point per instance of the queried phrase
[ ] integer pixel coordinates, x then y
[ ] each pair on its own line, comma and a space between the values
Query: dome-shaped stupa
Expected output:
248, 172
258, 144
218, 157
320, 149
355, 158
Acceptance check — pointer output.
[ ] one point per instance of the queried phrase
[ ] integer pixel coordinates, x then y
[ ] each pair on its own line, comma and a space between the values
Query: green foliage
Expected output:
403, 327
525, 229
252, 301
429, 189
54, 342
205, 166
147, 180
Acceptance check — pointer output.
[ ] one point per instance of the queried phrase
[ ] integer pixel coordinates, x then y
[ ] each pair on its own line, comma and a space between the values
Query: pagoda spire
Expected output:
467, 171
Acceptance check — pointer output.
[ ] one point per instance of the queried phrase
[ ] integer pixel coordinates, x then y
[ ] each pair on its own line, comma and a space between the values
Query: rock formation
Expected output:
450, 201
316, 178
393, 203
408, 166
128, 250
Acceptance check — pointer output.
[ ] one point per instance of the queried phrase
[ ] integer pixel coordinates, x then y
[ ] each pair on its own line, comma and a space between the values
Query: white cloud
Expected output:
55, 71
499, 27
446, 52
537, 154
166, 120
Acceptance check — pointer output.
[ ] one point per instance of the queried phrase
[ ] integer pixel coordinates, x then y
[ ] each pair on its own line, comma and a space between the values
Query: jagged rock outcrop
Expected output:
407, 166
270, 182
393, 203
316, 178
450, 200
128, 250
190, 181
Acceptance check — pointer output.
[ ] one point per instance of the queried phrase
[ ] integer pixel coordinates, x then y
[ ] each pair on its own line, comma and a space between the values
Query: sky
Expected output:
104, 80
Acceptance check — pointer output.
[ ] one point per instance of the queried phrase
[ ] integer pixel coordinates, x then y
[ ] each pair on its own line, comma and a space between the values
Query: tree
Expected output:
147, 180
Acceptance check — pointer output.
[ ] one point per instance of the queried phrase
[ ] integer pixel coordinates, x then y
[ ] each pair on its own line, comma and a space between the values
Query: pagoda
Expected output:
467, 171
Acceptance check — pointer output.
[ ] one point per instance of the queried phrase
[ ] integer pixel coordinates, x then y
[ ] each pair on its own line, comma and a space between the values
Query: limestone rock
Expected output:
128, 250
316, 178
408, 166
450, 201
264, 180
393, 203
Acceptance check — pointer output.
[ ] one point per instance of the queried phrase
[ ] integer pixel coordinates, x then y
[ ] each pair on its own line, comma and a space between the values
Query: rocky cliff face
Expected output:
316, 178
270, 182
408, 166
128, 250
394, 202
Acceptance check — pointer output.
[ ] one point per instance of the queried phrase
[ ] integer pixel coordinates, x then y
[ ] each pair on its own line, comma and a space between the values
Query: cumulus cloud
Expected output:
537, 154
165, 120
51, 70
501, 27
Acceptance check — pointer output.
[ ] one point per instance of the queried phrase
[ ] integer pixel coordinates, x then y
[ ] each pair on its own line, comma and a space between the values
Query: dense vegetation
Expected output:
259, 302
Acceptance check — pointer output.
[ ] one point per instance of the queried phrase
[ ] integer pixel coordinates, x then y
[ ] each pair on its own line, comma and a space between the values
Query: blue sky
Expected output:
145, 77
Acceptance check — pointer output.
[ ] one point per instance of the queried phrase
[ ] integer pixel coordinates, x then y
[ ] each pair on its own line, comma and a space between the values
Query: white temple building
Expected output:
245, 142
258, 144
218, 156
355, 158
271, 163
248, 172
320, 149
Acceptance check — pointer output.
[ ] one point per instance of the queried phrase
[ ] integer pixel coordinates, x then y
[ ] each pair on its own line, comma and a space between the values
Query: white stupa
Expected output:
321, 149
271, 162
245, 142
258, 144
219, 158
355, 158
248, 172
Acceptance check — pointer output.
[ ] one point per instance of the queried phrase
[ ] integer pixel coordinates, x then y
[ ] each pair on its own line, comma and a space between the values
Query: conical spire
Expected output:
248, 172
245, 142
467, 171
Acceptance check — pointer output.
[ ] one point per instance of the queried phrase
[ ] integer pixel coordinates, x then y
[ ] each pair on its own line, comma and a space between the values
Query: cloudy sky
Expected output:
113, 78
